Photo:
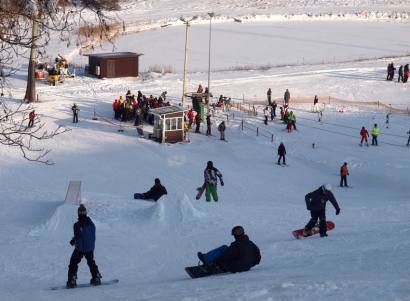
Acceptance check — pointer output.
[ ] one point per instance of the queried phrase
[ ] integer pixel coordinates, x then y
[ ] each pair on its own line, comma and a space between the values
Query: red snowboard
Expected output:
200, 191
298, 234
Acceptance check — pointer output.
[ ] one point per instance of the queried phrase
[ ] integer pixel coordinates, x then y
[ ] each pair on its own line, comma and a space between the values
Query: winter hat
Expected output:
210, 164
238, 231
82, 210
157, 181
327, 187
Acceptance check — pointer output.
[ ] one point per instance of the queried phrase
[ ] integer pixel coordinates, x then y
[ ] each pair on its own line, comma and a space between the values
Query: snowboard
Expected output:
200, 191
82, 285
298, 234
200, 271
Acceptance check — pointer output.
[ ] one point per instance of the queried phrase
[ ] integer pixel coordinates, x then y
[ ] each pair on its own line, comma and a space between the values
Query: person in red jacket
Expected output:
364, 134
200, 89
191, 116
116, 108
31, 117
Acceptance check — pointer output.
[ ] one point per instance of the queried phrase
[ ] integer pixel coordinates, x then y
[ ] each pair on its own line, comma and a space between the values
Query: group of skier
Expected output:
403, 73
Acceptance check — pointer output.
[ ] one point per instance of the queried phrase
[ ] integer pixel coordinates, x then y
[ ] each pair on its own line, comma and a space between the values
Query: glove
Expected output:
222, 183
337, 211
72, 242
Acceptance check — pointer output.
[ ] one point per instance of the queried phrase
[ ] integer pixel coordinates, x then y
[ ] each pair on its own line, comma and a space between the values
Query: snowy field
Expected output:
147, 245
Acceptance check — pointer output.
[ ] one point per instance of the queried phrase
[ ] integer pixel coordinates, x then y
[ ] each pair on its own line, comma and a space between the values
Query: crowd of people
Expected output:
403, 73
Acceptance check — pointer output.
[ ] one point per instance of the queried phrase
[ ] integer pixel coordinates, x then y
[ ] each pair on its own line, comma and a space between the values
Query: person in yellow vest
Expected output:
375, 133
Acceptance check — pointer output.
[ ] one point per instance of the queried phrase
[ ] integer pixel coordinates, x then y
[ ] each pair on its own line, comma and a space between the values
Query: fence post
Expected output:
242, 124
95, 115
257, 131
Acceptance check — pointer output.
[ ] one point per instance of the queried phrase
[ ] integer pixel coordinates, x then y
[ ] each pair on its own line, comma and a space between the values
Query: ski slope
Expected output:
147, 245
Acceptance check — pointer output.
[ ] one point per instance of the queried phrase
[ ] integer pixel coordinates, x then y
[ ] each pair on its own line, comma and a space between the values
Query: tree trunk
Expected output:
31, 81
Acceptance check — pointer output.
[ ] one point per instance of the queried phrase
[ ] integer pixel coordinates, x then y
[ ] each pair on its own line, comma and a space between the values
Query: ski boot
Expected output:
72, 283
96, 280
323, 235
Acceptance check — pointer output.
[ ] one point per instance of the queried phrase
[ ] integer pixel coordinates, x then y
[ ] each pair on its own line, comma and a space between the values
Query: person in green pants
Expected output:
211, 175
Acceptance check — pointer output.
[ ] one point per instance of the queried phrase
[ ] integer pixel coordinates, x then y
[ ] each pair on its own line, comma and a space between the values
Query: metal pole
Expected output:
184, 86
209, 59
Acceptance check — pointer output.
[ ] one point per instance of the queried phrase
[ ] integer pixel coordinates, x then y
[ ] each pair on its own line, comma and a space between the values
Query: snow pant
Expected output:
213, 255
283, 159
364, 138
76, 259
343, 180
211, 190
116, 114
208, 130
197, 127
222, 135
315, 215
139, 196
30, 123
400, 77
266, 119
75, 118
374, 139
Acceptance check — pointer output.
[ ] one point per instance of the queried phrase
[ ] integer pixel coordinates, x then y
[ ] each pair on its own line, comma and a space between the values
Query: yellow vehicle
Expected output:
53, 76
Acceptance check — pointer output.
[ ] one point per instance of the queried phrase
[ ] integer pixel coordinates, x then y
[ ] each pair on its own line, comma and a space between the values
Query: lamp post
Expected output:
211, 15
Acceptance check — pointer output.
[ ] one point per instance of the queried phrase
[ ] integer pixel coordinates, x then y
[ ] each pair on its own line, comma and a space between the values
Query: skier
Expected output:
282, 153
269, 95
191, 116
221, 129
364, 134
282, 114
211, 175
208, 124
198, 121
265, 114
286, 97
387, 119
400, 73
344, 172
408, 141
155, 193
315, 104
75, 110
273, 110
116, 108
292, 119
240, 256
375, 133
200, 89
406, 73
316, 204
84, 241
31, 117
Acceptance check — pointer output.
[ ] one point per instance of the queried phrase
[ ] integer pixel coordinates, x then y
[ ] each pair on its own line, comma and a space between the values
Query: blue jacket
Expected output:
84, 234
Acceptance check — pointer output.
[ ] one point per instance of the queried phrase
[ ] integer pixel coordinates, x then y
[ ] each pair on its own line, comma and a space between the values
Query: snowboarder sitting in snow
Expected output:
155, 193
211, 175
84, 241
316, 204
240, 256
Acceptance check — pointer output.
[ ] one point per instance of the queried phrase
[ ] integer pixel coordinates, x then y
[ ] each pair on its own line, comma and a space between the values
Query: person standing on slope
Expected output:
282, 153
240, 256
269, 96
211, 175
316, 204
221, 129
344, 172
375, 133
84, 242
286, 97
364, 134
75, 110
408, 141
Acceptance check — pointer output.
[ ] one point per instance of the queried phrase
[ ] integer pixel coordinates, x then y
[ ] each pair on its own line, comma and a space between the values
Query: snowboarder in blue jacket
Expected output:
84, 242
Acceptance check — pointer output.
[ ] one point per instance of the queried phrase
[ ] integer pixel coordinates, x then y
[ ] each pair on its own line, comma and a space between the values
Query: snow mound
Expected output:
60, 222
172, 210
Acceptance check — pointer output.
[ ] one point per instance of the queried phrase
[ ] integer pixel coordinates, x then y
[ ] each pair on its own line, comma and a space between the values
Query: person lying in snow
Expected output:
155, 193
240, 256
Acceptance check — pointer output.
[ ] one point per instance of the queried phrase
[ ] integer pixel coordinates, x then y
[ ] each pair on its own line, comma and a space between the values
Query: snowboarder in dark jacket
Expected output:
84, 242
400, 73
75, 110
240, 256
316, 204
155, 193
408, 141
282, 153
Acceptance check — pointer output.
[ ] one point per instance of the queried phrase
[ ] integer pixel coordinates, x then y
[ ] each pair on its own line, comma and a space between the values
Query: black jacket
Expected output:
281, 150
316, 200
155, 192
240, 256
84, 234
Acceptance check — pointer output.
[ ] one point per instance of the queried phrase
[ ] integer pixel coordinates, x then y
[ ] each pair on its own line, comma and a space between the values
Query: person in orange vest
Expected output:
31, 117
344, 172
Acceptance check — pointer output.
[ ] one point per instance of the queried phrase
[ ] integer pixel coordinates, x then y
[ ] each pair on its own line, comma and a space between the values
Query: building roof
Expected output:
114, 54
166, 110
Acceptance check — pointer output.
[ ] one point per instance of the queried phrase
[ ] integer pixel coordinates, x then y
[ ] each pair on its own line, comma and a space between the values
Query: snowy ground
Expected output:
147, 245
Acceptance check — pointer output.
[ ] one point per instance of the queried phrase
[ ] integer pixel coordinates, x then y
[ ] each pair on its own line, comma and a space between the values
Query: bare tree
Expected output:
15, 132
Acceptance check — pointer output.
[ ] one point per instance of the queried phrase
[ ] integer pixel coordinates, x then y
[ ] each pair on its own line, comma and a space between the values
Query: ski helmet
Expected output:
82, 210
238, 231
327, 187
209, 164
